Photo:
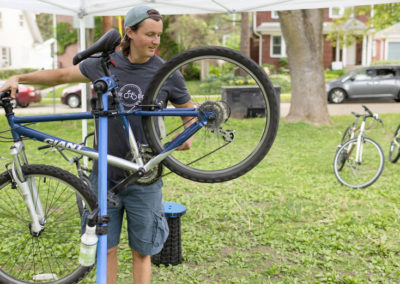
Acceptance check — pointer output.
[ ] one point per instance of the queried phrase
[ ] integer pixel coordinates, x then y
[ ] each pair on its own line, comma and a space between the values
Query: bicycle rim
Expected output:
242, 97
394, 151
359, 175
52, 257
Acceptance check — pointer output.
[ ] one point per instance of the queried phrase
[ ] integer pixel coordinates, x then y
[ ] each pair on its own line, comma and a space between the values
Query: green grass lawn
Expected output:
287, 221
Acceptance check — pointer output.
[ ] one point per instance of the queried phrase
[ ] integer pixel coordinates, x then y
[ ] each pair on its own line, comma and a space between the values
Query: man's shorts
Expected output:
146, 222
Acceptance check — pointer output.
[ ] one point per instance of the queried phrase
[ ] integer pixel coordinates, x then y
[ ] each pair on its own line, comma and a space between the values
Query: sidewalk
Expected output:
381, 106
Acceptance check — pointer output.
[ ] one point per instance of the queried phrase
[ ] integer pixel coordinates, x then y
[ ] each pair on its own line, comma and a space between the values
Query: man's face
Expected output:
145, 40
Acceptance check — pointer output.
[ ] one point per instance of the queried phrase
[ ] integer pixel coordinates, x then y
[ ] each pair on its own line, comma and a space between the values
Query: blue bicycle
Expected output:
40, 221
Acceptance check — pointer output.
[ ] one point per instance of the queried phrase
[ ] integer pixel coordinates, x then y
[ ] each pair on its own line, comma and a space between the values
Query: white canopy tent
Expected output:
109, 8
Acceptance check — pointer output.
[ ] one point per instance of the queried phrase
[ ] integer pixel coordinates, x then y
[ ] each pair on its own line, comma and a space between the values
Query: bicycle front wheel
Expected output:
346, 135
51, 257
361, 172
238, 92
394, 151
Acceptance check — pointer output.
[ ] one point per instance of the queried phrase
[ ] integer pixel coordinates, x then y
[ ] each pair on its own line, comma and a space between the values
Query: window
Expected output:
274, 15
21, 20
278, 48
385, 73
336, 12
364, 75
5, 57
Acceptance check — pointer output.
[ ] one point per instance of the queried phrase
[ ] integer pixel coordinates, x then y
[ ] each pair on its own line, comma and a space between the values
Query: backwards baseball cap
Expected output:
136, 15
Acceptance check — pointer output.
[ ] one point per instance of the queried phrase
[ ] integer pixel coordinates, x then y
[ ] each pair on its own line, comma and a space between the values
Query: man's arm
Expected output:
45, 77
187, 121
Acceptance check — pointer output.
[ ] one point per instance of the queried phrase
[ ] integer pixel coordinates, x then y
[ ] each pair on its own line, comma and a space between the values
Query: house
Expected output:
387, 44
268, 46
21, 45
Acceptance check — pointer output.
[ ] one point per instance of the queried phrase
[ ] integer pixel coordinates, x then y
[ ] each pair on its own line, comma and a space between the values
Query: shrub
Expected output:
283, 81
386, 62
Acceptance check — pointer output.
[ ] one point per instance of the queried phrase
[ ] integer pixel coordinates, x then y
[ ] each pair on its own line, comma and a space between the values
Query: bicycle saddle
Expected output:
107, 43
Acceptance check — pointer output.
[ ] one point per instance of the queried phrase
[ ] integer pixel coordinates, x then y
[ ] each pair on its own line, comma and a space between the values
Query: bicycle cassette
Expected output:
221, 111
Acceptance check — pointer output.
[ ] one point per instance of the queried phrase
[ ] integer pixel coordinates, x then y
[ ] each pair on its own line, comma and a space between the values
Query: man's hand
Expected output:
187, 121
10, 84
186, 145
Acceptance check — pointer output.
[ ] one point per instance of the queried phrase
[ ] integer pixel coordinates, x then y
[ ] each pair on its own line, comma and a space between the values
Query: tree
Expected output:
385, 15
107, 23
245, 34
45, 24
302, 31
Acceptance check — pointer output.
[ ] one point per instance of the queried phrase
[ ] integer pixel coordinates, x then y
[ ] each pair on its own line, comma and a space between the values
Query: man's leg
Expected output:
112, 265
141, 268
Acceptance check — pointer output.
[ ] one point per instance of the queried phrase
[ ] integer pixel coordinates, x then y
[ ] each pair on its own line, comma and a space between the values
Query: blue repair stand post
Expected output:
171, 254
101, 275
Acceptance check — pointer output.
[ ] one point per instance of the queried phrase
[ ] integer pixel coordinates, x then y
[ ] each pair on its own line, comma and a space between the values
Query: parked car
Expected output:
26, 95
71, 96
368, 82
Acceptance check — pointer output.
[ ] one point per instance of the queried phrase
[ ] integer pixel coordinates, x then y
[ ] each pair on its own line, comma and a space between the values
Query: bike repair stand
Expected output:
102, 86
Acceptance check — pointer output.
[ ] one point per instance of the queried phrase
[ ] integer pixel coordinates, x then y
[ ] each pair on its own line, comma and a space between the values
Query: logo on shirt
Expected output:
130, 95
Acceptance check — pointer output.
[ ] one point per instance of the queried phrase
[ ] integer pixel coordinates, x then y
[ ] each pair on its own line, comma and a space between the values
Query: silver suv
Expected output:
369, 82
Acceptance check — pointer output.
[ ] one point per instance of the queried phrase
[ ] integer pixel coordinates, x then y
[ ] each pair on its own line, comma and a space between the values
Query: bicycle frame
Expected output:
359, 142
18, 130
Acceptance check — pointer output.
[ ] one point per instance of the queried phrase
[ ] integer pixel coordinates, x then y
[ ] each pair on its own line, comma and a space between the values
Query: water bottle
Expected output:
87, 255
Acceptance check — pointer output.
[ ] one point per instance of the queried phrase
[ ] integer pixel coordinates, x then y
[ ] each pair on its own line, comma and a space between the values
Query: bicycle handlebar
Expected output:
368, 110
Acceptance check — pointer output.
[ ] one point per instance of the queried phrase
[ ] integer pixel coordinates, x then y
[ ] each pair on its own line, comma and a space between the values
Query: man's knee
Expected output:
112, 251
138, 255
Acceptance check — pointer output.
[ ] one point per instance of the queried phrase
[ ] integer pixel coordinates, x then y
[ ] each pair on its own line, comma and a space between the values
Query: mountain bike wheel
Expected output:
246, 117
394, 151
52, 257
359, 174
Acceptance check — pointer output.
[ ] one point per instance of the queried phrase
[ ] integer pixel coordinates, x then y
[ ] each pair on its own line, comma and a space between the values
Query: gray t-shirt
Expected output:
132, 80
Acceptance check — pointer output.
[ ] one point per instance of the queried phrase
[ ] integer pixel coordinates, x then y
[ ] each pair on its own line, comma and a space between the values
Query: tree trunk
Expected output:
245, 34
107, 23
302, 31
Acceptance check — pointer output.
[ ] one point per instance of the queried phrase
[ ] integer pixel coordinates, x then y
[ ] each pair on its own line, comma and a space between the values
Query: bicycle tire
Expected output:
346, 135
79, 201
357, 175
255, 128
342, 159
394, 150
54, 253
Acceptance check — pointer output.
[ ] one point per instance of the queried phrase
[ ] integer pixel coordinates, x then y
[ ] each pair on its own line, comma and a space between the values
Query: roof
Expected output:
390, 31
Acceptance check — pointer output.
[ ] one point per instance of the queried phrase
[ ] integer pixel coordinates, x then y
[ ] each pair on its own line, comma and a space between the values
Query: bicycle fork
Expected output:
27, 188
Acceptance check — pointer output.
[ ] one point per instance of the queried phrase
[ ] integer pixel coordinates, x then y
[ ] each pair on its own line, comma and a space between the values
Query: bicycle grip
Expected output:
367, 110
5, 94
